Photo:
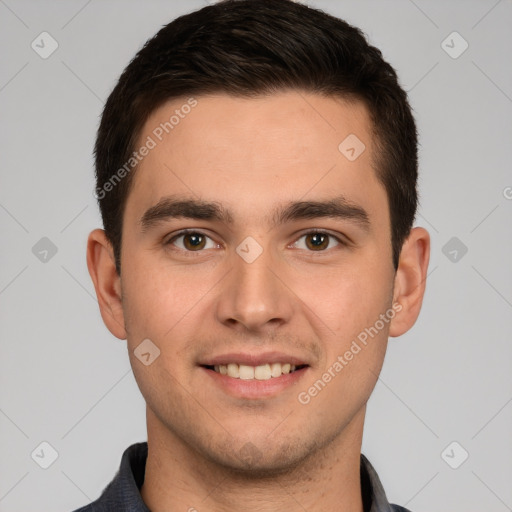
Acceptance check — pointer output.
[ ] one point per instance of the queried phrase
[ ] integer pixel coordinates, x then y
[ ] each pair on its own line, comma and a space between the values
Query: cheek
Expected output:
347, 299
157, 298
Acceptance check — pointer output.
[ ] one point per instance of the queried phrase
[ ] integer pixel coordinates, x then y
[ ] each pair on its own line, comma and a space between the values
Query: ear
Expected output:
410, 280
107, 282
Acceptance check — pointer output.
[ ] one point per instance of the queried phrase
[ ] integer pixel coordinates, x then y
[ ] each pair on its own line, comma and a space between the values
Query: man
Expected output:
256, 173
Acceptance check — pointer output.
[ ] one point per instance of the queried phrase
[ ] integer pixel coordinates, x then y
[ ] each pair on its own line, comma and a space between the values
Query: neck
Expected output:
178, 478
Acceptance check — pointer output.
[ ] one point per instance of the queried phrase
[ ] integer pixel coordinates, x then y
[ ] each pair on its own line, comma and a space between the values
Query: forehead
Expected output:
251, 153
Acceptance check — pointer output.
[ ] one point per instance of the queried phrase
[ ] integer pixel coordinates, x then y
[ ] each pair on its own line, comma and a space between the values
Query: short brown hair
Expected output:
247, 48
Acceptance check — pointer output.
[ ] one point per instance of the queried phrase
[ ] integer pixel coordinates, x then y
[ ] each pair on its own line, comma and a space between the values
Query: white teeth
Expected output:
261, 372
246, 372
233, 370
276, 369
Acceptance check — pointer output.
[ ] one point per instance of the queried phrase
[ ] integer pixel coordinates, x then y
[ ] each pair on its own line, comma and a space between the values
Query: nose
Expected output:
254, 296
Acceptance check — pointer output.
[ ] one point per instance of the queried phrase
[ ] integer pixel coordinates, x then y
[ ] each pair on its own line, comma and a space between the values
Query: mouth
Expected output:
264, 371
254, 376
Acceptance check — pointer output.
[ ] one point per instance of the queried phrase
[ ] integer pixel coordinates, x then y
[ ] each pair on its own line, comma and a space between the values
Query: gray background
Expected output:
65, 380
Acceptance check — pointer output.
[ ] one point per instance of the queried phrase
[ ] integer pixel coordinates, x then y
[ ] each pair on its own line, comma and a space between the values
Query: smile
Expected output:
260, 372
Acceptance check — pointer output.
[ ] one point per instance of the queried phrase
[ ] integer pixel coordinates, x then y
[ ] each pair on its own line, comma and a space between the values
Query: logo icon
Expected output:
44, 45
146, 352
454, 45
44, 455
454, 249
352, 147
250, 453
454, 455
249, 250
44, 250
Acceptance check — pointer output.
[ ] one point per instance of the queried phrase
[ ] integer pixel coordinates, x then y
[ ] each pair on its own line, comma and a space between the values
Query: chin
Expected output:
252, 462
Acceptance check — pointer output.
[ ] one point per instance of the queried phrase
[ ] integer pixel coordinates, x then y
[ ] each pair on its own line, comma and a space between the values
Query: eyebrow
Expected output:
174, 207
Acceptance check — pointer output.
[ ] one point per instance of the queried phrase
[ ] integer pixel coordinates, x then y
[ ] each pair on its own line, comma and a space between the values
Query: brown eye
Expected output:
194, 241
191, 241
317, 241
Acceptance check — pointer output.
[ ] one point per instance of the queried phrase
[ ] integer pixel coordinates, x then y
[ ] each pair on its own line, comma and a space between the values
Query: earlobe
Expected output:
410, 280
107, 282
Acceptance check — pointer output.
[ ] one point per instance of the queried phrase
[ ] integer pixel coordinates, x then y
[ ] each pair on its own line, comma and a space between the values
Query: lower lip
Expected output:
254, 388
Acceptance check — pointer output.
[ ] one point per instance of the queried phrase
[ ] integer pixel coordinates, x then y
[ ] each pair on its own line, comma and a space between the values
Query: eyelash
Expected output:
184, 232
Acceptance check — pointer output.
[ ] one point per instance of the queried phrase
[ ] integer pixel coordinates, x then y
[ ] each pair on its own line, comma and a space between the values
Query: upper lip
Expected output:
253, 359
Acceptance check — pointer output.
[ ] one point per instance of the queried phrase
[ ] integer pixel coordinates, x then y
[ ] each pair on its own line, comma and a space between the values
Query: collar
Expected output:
123, 493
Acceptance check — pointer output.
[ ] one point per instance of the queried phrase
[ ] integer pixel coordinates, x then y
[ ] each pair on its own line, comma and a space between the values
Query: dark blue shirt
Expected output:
123, 493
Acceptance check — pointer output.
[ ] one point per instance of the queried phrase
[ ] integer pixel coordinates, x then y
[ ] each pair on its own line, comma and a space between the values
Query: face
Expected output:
254, 246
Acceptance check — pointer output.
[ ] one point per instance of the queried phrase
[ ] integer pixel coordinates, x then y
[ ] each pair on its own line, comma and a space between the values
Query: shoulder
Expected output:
93, 507
122, 494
